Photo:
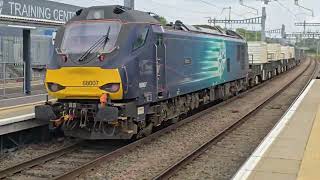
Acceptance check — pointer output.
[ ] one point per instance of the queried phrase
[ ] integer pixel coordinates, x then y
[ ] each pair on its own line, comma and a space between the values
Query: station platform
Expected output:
17, 114
15, 90
11, 85
292, 149
10, 103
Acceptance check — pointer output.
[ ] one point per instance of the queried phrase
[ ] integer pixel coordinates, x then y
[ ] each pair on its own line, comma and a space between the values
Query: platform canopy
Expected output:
35, 12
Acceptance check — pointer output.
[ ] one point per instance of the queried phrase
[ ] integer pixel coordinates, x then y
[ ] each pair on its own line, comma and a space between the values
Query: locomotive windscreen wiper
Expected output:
97, 45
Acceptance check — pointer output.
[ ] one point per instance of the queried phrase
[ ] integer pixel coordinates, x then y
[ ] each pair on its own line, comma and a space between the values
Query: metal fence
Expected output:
11, 59
11, 49
11, 75
12, 78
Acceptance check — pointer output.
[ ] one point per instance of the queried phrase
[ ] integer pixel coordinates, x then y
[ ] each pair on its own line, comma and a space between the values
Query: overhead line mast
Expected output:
296, 2
256, 20
281, 31
129, 3
263, 20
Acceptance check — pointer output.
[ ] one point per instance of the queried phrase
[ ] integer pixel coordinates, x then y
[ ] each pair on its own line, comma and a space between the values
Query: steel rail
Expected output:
170, 171
125, 149
38, 161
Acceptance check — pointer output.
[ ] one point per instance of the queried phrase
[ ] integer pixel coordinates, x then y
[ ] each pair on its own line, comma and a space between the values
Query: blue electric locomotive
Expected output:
117, 72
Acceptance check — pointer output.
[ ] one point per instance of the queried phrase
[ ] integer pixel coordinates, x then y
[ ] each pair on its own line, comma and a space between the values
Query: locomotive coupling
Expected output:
103, 100
106, 113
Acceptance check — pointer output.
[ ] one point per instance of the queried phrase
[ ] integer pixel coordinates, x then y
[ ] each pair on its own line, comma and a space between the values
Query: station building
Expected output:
11, 36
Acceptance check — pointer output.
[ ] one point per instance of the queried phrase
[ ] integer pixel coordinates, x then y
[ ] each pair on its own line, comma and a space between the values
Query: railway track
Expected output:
72, 161
54, 164
172, 170
113, 155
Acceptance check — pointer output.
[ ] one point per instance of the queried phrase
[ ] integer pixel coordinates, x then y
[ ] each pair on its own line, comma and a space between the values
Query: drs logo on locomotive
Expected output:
90, 83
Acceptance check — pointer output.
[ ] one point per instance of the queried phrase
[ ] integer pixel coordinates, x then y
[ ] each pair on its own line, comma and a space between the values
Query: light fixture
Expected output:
22, 27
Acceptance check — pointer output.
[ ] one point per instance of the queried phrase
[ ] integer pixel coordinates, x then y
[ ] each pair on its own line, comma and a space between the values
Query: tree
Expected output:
163, 20
249, 35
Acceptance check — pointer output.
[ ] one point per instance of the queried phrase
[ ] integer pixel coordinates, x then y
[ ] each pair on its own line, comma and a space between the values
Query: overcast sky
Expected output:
194, 11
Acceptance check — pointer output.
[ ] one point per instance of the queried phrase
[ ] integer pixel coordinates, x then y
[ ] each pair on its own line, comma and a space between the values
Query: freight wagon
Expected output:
269, 60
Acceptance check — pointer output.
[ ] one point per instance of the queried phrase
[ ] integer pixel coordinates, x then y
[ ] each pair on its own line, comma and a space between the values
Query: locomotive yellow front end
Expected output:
84, 83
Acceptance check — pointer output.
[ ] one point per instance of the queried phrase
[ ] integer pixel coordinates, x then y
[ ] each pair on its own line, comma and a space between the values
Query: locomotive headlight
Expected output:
54, 87
111, 87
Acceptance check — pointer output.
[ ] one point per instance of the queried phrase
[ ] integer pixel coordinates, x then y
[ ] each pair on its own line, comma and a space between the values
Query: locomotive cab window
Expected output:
80, 36
141, 39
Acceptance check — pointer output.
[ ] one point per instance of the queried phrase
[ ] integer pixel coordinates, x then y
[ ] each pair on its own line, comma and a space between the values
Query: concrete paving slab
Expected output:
16, 112
292, 149
276, 165
256, 175
310, 165
286, 149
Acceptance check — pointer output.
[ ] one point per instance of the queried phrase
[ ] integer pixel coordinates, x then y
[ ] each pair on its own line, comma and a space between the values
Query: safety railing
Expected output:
12, 77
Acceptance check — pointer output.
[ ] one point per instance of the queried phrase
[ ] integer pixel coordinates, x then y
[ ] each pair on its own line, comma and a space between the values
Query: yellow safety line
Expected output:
310, 165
